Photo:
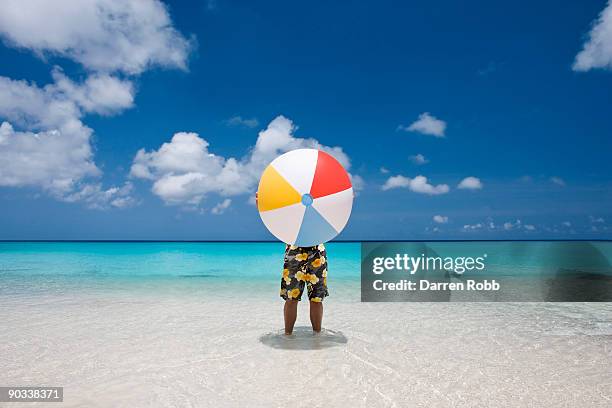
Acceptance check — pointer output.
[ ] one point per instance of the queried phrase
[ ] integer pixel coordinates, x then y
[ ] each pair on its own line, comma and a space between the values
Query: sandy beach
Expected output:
121, 350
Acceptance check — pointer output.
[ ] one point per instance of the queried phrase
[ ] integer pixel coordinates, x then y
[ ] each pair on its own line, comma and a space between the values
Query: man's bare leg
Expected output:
316, 315
290, 312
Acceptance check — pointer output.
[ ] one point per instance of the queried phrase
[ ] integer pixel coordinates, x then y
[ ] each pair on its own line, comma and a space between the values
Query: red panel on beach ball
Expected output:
330, 177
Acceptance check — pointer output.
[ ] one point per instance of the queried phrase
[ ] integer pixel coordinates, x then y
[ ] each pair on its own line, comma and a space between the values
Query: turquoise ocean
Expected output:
239, 269
214, 269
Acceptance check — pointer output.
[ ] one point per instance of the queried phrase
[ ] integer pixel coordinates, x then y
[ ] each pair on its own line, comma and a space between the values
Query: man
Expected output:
304, 267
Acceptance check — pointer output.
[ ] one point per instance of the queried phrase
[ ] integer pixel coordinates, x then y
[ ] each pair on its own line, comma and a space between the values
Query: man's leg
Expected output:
316, 315
290, 312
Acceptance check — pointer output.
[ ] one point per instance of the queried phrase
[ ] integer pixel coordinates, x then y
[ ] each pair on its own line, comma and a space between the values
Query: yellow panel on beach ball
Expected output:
275, 191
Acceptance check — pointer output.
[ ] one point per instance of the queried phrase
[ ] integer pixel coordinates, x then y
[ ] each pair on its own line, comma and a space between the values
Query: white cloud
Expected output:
102, 35
278, 138
597, 50
596, 220
99, 93
244, 122
418, 184
471, 227
558, 181
95, 197
357, 181
426, 124
221, 207
418, 159
184, 171
53, 149
440, 219
30, 106
44, 142
509, 225
470, 183
185, 153
53, 160
566, 224
384, 170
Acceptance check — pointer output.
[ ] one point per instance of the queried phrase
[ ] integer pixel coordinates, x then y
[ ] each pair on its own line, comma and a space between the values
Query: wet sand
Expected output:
126, 350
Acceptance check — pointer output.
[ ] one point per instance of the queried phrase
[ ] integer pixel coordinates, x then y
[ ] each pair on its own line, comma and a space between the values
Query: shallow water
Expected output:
303, 338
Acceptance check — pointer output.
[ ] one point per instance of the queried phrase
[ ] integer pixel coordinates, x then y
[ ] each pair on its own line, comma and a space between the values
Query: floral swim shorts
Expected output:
305, 266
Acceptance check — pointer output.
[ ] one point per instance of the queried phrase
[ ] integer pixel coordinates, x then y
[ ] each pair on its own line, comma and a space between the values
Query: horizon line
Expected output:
279, 242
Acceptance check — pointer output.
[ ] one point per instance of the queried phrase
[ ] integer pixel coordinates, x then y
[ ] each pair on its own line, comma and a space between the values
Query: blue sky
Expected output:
503, 96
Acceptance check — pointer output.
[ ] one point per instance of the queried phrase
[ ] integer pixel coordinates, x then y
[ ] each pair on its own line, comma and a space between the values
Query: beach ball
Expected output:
305, 197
